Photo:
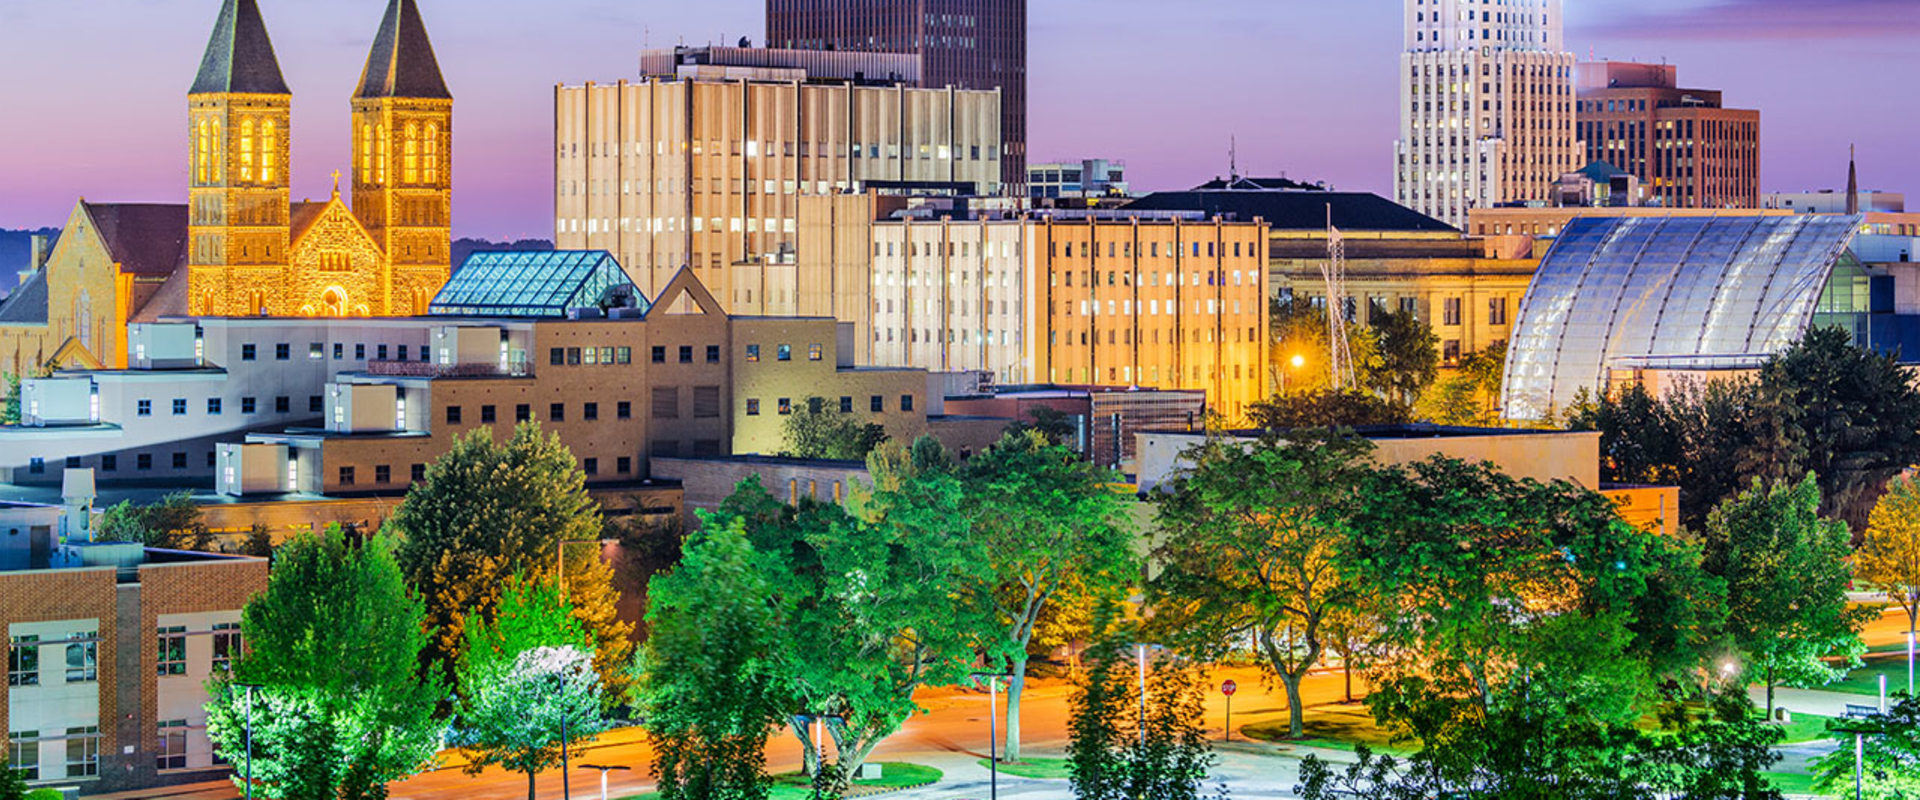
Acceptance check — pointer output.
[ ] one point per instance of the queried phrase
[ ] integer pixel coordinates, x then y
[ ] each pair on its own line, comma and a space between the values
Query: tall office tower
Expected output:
966, 44
1486, 106
1686, 148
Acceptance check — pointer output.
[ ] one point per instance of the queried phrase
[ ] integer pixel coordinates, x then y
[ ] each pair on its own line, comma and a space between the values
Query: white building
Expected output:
1486, 106
1832, 202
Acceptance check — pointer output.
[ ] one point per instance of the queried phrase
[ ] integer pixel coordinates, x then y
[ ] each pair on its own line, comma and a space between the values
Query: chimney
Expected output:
41, 252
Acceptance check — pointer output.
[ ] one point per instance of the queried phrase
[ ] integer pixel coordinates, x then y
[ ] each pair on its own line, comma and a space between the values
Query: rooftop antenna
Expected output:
1233, 160
1339, 354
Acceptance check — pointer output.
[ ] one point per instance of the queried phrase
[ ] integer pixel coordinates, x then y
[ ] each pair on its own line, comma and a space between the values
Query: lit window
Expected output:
171, 651
269, 149
246, 150
410, 164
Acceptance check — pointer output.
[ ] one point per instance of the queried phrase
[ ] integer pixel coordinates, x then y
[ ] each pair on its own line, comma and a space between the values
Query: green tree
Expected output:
1890, 557
817, 430
172, 523
334, 645
1252, 552
1044, 520
1049, 422
488, 511
10, 415
1786, 574
1299, 360
13, 785
529, 686
1326, 409
1890, 756
258, 543
1409, 356
1116, 752
1857, 415
1721, 752
714, 672
1471, 394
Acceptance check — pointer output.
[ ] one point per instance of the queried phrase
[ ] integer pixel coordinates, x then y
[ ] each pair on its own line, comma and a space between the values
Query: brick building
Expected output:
1687, 149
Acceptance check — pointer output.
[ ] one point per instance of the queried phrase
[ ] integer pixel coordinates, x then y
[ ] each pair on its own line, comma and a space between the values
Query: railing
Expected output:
423, 369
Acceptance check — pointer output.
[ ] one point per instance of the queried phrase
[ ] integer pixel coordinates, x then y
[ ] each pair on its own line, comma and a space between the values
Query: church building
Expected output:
241, 246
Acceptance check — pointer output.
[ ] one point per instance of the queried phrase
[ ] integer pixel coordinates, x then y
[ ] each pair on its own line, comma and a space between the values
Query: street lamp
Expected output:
993, 729
249, 687
604, 769
1859, 755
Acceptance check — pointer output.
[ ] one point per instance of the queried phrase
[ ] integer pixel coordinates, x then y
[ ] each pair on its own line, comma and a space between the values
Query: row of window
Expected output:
876, 404
1125, 250
316, 404
589, 356
382, 474
83, 753
82, 660
110, 462
170, 652
784, 352
317, 351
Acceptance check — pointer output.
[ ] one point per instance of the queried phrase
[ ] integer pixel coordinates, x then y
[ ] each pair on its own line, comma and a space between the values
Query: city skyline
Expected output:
1089, 98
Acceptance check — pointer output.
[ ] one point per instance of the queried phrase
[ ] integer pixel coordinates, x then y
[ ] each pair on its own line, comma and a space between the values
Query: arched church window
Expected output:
333, 303
246, 150
433, 153
203, 153
366, 153
410, 167
83, 316
380, 154
269, 149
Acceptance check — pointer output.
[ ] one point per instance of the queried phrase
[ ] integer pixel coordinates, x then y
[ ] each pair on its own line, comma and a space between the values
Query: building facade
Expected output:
1090, 178
671, 172
1486, 106
967, 44
1687, 149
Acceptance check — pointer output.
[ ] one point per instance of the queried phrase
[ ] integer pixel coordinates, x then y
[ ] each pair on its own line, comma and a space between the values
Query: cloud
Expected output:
1744, 20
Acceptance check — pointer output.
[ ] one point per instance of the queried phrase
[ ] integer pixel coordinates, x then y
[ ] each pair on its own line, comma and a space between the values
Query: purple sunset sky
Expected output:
94, 90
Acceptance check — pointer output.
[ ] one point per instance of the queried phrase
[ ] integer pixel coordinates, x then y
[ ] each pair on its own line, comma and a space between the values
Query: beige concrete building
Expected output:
1157, 299
706, 167
1486, 106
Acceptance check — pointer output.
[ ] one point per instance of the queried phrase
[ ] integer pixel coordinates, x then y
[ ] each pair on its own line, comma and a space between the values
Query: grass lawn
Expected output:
1791, 783
1034, 768
1866, 680
1806, 728
1332, 728
794, 785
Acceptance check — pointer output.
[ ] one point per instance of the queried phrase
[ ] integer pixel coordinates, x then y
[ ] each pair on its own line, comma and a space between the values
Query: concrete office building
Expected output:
109, 648
1167, 300
1686, 148
968, 44
1486, 106
705, 166
1090, 178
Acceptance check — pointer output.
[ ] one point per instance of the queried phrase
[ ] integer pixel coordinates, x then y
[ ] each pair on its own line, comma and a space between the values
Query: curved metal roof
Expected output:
1615, 288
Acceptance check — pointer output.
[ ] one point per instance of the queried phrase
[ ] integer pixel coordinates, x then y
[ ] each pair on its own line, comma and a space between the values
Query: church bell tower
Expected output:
238, 129
403, 158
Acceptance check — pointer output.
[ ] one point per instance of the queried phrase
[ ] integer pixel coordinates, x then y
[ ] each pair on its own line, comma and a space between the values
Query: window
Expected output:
1497, 311
557, 412
753, 406
666, 402
360, 351
248, 405
37, 465
1451, 311
247, 352
143, 408
23, 661
522, 412
179, 460
786, 406
785, 352
573, 356
590, 412
686, 354
316, 350
706, 402
814, 352
226, 644
171, 654
339, 351
557, 357
713, 354
753, 353
659, 354
1450, 351
876, 404
83, 752
346, 476
179, 406
143, 461
382, 474
906, 402
109, 463
282, 352
486, 414
172, 750
83, 661
282, 405
316, 404
213, 406
23, 753
453, 415
624, 465
623, 410
846, 405
622, 355
590, 466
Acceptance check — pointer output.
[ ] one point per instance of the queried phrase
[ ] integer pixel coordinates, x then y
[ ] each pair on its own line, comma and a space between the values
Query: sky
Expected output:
93, 91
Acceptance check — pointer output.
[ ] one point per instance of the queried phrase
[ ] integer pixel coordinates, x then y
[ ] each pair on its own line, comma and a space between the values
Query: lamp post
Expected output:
249, 735
993, 729
604, 769
1860, 735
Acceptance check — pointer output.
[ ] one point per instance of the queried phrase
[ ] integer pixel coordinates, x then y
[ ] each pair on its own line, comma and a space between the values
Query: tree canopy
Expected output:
817, 430
1890, 557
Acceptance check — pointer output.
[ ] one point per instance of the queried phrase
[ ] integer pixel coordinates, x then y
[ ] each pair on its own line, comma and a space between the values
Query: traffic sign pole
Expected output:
1228, 689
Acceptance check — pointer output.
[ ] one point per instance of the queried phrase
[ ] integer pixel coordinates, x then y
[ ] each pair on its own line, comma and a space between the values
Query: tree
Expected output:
1043, 519
1890, 557
1049, 422
527, 686
1472, 393
714, 673
1117, 753
489, 511
1786, 574
814, 430
10, 415
1326, 409
259, 541
173, 523
1299, 331
334, 645
1890, 755
13, 785
1409, 355
1721, 753
1254, 535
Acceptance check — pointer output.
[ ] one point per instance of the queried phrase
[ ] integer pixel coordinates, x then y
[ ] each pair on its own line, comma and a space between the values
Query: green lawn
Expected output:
1791, 783
1034, 768
794, 786
1866, 680
1332, 728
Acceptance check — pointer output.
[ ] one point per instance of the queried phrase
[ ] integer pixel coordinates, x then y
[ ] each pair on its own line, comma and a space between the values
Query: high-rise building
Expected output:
1687, 149
704, 165
1486, 106
967, 44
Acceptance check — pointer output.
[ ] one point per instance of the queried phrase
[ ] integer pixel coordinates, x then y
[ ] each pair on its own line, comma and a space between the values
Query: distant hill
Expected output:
466, 247
15, 248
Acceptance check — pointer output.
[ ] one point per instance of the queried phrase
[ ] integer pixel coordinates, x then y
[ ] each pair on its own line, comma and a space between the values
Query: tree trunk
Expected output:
1014, 688
1296, 715
530, 774
809, 755
1346, 672
1769, 692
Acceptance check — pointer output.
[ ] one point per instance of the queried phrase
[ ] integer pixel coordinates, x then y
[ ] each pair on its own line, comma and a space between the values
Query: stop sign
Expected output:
1229, 688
